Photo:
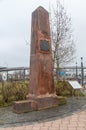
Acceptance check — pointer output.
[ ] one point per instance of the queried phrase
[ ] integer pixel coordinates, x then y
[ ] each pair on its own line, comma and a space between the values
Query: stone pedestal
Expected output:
24, 106
35, 104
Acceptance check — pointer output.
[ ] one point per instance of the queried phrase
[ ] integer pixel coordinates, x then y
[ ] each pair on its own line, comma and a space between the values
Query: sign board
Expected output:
75, 84
4, 76
62, 73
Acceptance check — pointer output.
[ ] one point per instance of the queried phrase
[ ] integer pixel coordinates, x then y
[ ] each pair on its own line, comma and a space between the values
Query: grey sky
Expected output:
15, 27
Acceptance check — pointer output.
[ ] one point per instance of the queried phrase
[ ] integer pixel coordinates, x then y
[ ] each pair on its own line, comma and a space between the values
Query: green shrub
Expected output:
66, 93
61, 100
78, 93
12, 91
0, 88
1, 100
21, 90
7, 91
63, 88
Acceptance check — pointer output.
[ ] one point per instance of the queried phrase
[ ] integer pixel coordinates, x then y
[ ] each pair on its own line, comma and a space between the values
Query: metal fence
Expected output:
22, 73
14, 74
74, 72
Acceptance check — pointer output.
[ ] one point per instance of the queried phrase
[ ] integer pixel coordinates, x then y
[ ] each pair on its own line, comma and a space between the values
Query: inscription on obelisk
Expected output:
41, 69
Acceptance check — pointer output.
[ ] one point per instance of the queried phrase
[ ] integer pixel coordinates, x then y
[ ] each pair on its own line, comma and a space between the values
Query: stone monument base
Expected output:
35, 104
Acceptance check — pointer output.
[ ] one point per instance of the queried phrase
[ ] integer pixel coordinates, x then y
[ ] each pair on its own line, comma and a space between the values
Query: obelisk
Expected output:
41, 85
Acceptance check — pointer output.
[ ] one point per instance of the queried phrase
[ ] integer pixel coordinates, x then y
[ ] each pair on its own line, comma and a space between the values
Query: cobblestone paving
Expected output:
67, 117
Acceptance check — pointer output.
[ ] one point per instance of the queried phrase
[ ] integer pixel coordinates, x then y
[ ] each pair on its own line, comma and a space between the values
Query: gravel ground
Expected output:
8, 118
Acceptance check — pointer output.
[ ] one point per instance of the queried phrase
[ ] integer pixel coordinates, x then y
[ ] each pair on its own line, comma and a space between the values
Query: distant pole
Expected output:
24, 74
76, 71
82, 74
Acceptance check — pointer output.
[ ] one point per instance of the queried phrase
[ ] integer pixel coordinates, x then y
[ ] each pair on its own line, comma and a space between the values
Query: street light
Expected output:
82, 74
76, 71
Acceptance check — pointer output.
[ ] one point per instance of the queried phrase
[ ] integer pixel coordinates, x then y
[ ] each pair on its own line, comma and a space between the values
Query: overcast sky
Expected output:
15, 28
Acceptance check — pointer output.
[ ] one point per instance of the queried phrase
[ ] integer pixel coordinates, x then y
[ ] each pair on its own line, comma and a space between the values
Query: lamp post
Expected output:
76, 71
82, 73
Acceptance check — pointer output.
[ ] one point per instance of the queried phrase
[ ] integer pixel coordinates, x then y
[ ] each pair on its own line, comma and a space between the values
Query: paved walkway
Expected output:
73, 122
70, 120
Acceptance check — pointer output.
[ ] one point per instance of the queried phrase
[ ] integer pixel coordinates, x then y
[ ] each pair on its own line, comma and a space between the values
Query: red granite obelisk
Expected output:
41, 85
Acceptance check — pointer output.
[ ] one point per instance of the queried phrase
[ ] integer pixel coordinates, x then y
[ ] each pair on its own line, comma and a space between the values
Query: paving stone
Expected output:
6, 128
71, 128
44, 128
64, 127
81, 128
19, 128
54, 128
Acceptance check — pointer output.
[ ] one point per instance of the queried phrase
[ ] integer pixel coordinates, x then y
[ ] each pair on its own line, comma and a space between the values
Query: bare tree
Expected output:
62, 39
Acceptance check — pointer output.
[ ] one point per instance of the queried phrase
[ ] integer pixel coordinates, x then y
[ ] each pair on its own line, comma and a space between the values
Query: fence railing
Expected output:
22, 73
14, 74
74, 72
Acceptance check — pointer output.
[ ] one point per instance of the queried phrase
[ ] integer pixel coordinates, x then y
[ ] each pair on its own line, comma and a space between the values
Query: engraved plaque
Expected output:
44, 45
